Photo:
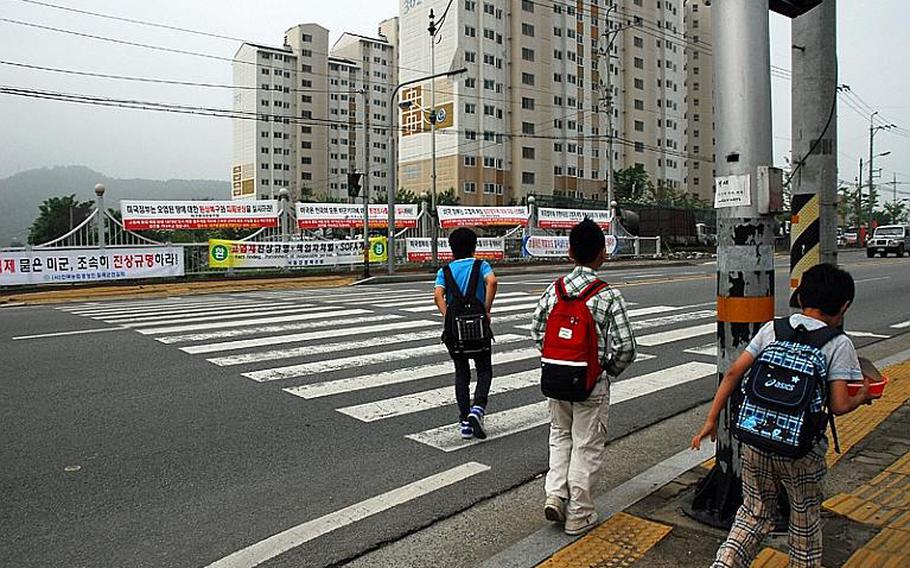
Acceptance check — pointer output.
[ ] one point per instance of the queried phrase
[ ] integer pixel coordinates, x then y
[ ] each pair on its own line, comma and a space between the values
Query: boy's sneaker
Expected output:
466, 431
475, 419
554, 509
575, 527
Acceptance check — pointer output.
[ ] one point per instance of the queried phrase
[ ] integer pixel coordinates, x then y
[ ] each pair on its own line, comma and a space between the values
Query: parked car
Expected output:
851, 238
888, 239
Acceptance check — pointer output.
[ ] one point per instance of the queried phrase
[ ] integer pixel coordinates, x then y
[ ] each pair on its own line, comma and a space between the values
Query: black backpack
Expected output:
467, 327
781, 405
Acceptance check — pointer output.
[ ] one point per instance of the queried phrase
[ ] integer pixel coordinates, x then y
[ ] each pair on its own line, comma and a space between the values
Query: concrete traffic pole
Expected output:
745, 238
813, 237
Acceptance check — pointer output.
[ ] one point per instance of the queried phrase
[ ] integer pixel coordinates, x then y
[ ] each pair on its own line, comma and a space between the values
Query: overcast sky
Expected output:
873, 43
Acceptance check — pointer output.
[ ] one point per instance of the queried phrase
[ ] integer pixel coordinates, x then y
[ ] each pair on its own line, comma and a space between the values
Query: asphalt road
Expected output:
144, 433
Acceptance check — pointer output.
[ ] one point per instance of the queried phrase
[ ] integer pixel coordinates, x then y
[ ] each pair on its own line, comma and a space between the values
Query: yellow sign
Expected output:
379, 249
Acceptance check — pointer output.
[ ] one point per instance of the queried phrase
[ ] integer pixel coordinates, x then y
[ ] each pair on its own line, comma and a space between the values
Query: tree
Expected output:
406, 196
897, 211
447, 197
58, 216
632, 183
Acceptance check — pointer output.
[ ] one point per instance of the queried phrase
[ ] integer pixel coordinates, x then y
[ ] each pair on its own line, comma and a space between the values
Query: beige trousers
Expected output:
578, 438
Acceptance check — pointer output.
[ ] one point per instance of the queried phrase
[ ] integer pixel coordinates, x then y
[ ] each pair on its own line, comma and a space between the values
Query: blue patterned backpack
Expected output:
781, 404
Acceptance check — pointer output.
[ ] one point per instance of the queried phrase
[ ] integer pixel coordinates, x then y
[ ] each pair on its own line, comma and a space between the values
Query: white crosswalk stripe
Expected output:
308, 350
676, 335
428, 300
163, 308
515, 420
305, 336
328, 365
255, 321
241, 331
229, 315
657, 322
202, 312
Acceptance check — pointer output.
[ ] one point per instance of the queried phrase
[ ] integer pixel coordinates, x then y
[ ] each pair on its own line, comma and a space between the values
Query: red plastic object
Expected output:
875, 388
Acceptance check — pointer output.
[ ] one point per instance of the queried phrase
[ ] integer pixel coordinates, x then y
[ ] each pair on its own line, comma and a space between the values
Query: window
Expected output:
557, 77
638, 42
639, 83
527, 6
489, 188
489, 84
527, 178
307, 38
470, 57
489, 162
527, 29
470, 161
470, 82
489, 34
639, 63
470, 31
527, 79
489, 59
527, 103
527, 128
527, 153
557, 170
488, 8
470, 5
489, 110
470, 135
557, 54
264, 150
639, 146
639, 126
639, 104
469, 108
527, 54
470, 187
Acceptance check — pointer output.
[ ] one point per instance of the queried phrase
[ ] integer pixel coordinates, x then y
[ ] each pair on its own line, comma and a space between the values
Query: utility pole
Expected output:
745, 236
813, 238
434, 246
366, 184
859, 198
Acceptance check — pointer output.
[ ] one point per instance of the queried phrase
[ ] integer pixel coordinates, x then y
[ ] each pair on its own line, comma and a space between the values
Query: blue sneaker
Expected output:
466, 431
475, 419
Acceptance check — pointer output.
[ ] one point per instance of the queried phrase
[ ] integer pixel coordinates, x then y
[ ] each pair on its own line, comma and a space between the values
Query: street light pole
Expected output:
433, 231
365, 184
391, 141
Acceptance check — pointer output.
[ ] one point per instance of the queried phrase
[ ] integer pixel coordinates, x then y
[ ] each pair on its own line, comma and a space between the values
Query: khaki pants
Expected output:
578, 438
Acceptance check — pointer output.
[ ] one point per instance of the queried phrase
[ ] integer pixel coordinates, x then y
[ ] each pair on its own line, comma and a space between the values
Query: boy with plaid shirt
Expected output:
825, 293
578, 430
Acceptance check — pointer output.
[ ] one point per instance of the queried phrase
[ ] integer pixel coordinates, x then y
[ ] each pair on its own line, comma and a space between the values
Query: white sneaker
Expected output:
554, 509
575, 527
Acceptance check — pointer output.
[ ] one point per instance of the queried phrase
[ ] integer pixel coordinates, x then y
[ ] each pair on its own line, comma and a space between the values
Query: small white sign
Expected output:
733, 191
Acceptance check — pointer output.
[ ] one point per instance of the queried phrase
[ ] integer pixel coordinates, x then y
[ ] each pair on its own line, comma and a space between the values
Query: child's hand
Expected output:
709, 429
865, 391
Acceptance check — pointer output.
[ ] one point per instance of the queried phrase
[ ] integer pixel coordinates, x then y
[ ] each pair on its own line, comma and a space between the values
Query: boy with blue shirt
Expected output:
463, 243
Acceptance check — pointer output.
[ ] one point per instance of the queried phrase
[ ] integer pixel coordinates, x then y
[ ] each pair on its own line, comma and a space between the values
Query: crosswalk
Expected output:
373, 354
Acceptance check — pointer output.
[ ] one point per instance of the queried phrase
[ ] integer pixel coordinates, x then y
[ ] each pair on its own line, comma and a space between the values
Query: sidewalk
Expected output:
866, 515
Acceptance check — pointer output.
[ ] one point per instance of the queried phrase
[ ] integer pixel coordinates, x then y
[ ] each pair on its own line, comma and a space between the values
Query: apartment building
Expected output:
320, 113
530, 116
700, 138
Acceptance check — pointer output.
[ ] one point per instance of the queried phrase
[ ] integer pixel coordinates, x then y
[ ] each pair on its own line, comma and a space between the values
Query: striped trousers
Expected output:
763, 473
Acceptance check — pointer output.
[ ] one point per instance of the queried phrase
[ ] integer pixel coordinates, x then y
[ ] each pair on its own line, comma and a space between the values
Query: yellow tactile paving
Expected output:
853, 427
770, 558
619, 542
900, 466
864, 558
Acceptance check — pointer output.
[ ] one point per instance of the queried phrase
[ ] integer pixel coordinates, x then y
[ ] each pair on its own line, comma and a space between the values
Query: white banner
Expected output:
418, 250
89, 265
348, 215
452, 216
557, 247
240, 254
548, 218
175, 215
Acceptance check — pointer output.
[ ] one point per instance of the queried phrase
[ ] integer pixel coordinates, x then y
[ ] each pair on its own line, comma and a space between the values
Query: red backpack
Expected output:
570, 359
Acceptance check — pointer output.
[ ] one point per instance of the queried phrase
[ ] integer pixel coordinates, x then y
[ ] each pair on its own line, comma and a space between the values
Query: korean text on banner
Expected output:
89, 265
298, 254
452, 216
548, 218
418, 250
558, 247
350, 215
177, 215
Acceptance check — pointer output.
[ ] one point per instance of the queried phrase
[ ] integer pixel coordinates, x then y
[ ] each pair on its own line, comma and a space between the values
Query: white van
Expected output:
888, 239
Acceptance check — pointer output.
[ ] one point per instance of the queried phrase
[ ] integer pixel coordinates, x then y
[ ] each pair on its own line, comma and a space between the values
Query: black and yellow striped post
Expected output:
805, 233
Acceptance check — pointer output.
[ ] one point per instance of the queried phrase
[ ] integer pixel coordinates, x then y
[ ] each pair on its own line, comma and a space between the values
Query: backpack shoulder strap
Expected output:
592, 290
474, 280
783, 331
818, 338
451, 285
561, 294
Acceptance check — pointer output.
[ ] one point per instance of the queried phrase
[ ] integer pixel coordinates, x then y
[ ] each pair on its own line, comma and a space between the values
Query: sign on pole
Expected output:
177, 215
89, 265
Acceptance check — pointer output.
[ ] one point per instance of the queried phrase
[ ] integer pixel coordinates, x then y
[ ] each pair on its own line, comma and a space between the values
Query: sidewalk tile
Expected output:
620, 541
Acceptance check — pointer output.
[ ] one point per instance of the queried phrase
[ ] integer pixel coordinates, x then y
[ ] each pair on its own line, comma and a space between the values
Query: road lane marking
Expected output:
237, 323
305, 351
901, 325
435, 398
860, 281
271, 547
209, 311
305, 336
362, 382
65, 333
515, 420
229, 316
240, 332
709, 349
867, 334
676, 335
362, 360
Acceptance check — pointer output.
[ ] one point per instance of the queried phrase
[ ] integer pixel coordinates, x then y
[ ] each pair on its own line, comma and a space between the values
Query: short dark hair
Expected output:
463, 242
586, 241
826, 288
